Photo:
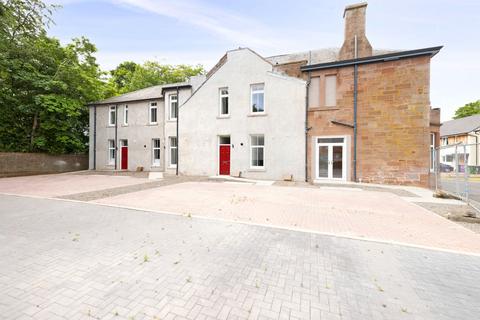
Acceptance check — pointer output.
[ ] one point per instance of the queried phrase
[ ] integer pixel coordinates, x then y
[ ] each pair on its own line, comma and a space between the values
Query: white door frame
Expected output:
330, 146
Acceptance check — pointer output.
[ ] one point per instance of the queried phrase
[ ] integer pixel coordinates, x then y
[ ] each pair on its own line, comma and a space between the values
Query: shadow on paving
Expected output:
110, 192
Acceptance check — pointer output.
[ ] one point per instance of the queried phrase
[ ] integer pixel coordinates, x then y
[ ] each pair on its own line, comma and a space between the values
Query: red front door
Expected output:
124, 158
225, 160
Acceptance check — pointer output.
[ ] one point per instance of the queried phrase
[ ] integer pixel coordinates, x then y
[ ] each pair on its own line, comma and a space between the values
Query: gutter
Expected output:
307, 96
373, 59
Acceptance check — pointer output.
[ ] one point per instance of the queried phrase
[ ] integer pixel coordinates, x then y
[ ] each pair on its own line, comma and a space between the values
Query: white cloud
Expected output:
239, 30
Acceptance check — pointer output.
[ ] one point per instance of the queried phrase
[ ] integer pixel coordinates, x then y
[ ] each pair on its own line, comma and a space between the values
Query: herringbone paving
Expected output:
66, 260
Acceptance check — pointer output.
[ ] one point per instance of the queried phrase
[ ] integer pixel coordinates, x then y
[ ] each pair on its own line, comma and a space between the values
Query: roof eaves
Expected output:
373, 59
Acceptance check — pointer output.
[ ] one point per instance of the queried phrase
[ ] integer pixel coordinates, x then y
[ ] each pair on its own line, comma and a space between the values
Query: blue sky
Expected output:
200, 31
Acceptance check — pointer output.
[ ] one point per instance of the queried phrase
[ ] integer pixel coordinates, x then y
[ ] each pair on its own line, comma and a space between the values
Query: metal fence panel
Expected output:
457, 171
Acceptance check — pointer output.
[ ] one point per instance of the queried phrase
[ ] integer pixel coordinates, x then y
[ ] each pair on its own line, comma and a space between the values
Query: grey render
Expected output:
139, 132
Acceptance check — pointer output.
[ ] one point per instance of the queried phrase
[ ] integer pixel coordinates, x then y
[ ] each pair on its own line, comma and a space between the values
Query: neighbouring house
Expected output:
348, 114
138, 130
369, 115
460, 144
245, 120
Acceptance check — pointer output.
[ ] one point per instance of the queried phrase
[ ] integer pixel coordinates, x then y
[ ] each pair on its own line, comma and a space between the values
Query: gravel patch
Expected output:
464, 215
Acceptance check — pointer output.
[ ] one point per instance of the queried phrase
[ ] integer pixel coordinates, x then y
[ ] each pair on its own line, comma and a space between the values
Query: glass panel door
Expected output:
322, 161
337, 162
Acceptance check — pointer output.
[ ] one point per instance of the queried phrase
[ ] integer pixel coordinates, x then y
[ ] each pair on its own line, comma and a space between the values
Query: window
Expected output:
444, 141
432, 152
224, 101
314, 92
111, 152
173, 103
156, 152
331, 91
125, 115
173, 151
257, 98
257, 146
112, 116
153, 113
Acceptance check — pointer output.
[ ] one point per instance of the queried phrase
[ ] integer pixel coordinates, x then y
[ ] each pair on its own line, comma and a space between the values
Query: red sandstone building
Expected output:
368, 112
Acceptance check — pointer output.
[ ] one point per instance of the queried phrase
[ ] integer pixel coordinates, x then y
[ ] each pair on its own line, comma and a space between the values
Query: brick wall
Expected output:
18, 164
393, 120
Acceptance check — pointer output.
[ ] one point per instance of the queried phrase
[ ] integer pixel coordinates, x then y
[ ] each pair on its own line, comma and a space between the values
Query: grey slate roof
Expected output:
317, 56
460, 126
154, 92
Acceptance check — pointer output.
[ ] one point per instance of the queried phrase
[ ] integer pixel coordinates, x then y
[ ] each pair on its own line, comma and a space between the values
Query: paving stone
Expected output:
204, 269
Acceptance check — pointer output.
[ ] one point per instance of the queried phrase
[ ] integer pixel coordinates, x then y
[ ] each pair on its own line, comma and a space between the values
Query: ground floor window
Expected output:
156, 152
173, 151
257, 150
432, 152
111, 152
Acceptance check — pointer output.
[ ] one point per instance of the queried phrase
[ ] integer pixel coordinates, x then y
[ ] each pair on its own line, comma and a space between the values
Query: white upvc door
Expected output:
331, 159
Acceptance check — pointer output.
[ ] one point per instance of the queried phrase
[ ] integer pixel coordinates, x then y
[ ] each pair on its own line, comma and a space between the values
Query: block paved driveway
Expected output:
71, 260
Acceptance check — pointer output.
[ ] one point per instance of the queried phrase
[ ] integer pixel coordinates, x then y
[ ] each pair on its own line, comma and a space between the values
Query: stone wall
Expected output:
19, 164
393, 120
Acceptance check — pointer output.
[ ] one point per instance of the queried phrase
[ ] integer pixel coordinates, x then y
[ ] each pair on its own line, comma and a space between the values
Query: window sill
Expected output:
172, 120
155, 166
153, 124
124, 125
257, 114
257, 169
226, 116
172, 167
323, 108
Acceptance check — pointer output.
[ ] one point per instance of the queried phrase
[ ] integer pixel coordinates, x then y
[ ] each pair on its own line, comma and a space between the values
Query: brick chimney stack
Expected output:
354, 16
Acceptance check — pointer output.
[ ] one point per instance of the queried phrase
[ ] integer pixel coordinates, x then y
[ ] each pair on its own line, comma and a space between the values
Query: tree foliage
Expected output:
130, 76
45, 86
469, 109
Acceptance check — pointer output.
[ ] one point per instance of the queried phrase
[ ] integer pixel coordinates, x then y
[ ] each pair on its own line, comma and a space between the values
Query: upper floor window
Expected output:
153, 113
224, 102
125, 115
444, 141
112, 116
331, 91
257, 98
432, 152
173, 106
257, 148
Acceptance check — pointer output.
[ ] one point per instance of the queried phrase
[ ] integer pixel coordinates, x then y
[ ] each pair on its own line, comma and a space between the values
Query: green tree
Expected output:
468, 110
43, 86
129, 76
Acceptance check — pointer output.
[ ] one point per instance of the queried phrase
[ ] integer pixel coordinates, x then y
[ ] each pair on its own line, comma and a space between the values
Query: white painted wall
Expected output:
282, 125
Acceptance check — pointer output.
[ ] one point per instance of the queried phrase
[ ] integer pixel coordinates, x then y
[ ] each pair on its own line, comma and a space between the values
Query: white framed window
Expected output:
257, 151
125, 115
224, 111
331, 91
432, 152
112, 115
111, 152
155, 152
173, 151
257, 98
173, 106
153, 113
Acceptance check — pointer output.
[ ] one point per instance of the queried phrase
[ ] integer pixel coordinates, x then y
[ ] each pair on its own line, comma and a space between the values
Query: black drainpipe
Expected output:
355, 93
178, 140
306, 125
94, 137
116, 127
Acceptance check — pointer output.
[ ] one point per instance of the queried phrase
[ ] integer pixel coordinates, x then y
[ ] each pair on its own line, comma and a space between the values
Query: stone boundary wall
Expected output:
22, 164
